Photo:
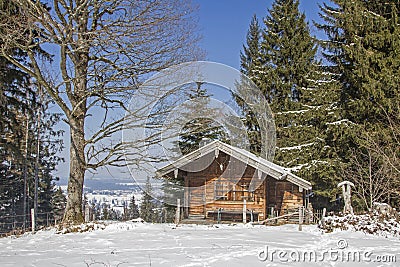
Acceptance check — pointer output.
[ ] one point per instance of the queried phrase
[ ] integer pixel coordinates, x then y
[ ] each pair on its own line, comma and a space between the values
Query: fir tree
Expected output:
105, 212
362, 47
133, 209
172, 190
58, 203
250, 57
148, 206
302, 97
198, 129
252, 67
21, 107
364, 59
288, 52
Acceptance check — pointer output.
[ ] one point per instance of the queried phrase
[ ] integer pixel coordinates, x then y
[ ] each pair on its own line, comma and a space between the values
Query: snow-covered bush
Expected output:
383, 221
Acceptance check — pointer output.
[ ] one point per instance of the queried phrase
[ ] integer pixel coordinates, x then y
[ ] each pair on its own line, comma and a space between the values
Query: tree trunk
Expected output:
73, 212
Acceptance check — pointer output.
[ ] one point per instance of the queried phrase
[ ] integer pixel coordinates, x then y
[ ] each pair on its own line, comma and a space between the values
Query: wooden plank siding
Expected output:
202, 188
283, 195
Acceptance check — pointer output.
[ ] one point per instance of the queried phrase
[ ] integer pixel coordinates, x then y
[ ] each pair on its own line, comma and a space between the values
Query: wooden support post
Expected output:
276, 215
186, 198
244, 211
309, 213
87, 213
219, 215
33, 220
178, 211
323, 217
301, 218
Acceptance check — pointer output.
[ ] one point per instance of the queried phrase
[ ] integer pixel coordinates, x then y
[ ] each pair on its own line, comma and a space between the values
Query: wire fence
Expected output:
19, 224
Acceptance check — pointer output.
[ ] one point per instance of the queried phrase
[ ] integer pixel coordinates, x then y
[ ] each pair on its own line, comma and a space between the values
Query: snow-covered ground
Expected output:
142, 244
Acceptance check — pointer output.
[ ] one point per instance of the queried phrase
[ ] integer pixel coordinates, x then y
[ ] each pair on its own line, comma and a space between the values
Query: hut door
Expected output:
196, 200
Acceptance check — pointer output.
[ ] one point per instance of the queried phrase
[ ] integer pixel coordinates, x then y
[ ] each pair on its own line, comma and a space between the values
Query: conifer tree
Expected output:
198, 129
22, 109
58, 203
362, 48
250, 57
105, 212
133, 209
148, 206
364, 59
172, 190
252, 67
301, 96
95, 211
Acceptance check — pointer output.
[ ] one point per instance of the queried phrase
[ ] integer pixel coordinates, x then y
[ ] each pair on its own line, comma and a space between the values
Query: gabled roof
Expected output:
265, 166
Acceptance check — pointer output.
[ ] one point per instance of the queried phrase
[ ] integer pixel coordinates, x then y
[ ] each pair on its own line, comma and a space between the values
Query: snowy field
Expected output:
138, 244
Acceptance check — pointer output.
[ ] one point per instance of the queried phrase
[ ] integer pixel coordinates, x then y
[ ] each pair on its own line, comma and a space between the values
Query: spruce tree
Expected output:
301, 106
95, 211
19, 143
133, 209
105, 212
362, 47
250, 57
173, 189
364, 58
201, 128
58, 203
301, 96
21, 104
252, 67
148, 206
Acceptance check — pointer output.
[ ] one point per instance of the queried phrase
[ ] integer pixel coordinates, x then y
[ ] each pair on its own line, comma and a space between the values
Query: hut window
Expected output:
225, 190
221, 190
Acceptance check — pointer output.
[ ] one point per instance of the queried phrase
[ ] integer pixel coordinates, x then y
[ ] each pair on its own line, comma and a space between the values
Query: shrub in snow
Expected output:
385, 210
383, 221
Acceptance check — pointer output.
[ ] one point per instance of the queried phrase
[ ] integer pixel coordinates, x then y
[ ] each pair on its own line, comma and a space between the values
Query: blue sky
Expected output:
224, 24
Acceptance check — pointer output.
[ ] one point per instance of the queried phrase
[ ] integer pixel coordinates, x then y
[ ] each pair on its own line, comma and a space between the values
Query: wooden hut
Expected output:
221, 181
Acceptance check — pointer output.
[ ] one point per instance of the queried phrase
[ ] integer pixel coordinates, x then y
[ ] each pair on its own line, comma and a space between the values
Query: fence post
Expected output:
87, 213
178, 211
244, 211
309, 213
323, 217
300, 218
33, 220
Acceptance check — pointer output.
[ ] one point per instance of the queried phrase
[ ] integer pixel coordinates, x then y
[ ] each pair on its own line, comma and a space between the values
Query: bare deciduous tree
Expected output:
102, 51
386, 145
367, 173
389, 149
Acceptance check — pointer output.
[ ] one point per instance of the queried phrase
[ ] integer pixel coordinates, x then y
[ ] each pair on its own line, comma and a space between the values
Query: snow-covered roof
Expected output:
265, 166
